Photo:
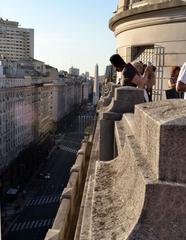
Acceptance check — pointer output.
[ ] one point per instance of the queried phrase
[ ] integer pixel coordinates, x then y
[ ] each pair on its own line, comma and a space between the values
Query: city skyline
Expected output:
67, 34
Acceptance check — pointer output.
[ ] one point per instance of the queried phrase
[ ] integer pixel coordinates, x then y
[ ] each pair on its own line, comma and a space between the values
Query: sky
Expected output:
67, 32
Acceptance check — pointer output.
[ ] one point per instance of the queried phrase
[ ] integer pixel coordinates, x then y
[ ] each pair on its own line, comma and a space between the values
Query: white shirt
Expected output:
182, 76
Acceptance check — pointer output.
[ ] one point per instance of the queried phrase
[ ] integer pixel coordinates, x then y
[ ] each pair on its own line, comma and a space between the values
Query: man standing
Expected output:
129, 74
181, 80
128, 71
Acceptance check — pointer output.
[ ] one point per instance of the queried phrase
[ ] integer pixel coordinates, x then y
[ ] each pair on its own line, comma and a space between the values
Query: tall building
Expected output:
151, 31
15, 42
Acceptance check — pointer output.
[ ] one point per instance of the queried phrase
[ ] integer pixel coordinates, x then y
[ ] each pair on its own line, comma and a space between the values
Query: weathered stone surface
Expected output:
107, 100
83, 232
124, 101
52, 234
119, 196
164, 215
141, 194
160, 128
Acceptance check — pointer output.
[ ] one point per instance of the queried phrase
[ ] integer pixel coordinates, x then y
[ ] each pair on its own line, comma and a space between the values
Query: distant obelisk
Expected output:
96, 86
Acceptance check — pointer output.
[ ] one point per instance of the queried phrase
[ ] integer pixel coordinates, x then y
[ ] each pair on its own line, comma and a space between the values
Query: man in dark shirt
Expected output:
129, 74
128, 71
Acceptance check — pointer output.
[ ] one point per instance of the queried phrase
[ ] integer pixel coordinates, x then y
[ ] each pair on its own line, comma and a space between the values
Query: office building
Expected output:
15, 42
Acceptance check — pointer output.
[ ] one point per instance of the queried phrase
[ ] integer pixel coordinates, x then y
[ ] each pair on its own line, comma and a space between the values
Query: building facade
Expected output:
151, 31
31, 104
15, 42
15, 120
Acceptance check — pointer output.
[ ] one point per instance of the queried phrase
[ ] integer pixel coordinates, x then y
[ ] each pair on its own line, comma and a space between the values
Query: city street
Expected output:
38, 208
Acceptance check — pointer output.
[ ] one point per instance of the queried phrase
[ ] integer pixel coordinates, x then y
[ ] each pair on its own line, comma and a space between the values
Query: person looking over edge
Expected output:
181, 80
129, 74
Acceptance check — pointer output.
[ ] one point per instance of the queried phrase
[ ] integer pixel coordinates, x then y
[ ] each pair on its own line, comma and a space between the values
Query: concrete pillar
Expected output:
124, 101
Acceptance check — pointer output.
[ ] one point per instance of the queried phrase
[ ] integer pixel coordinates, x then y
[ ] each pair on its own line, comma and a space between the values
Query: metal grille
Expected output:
155, 55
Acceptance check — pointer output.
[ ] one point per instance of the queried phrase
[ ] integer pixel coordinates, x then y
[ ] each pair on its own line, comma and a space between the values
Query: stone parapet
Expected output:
108, 98
122, 129
124, 100
83, 228
141, 193
160, 134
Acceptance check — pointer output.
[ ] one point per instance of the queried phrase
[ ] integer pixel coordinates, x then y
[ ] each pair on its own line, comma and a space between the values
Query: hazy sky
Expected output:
67, 32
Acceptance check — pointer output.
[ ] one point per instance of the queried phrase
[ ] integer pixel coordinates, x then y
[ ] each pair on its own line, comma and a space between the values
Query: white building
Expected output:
30, 104
16, 118
59, 100
15, 42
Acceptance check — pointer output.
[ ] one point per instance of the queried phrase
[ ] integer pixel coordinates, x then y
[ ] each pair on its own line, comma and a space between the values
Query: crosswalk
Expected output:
27, 225
43, 200
68, 149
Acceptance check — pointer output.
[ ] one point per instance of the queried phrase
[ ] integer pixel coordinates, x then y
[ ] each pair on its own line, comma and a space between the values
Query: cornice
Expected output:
148, 15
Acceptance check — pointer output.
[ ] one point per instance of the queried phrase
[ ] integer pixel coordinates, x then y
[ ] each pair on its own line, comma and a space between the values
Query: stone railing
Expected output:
139, 190
135, 186
65, 221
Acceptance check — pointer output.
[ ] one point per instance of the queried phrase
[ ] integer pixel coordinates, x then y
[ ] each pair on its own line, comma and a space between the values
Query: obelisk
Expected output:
96, 86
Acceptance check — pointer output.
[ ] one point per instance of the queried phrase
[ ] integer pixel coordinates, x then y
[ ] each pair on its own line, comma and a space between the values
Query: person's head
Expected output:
117, 62
175, 71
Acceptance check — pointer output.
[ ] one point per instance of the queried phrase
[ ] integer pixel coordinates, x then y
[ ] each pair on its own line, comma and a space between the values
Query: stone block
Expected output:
163, 216
125, 99
160, 128
52, 234
73, 180
62, 217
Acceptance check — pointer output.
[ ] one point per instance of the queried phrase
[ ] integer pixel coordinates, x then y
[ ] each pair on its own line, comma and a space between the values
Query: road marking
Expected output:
36, 223
14, 226
32, 224
18, 226
27, 225
68, 149
22, 225
43, 200
45, 221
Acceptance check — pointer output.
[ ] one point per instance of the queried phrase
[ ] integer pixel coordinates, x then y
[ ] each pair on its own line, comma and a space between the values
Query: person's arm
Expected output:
180, 86
171, 84
181, 80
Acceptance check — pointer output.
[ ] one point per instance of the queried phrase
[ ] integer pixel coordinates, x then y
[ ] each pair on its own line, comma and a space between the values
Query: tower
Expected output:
151, 31
96, 86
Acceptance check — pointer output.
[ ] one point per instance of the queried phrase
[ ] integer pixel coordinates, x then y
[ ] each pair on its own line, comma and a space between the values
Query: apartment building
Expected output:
32, 98
15, 42
25, 108
16, 117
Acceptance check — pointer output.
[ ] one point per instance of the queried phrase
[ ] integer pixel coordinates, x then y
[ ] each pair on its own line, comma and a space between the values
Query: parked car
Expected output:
44, 176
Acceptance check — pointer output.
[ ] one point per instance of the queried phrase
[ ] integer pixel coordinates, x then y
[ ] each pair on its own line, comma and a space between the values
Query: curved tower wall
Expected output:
152, 31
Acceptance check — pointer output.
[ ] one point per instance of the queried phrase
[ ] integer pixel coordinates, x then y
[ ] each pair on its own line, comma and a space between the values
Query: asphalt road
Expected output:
39, 208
